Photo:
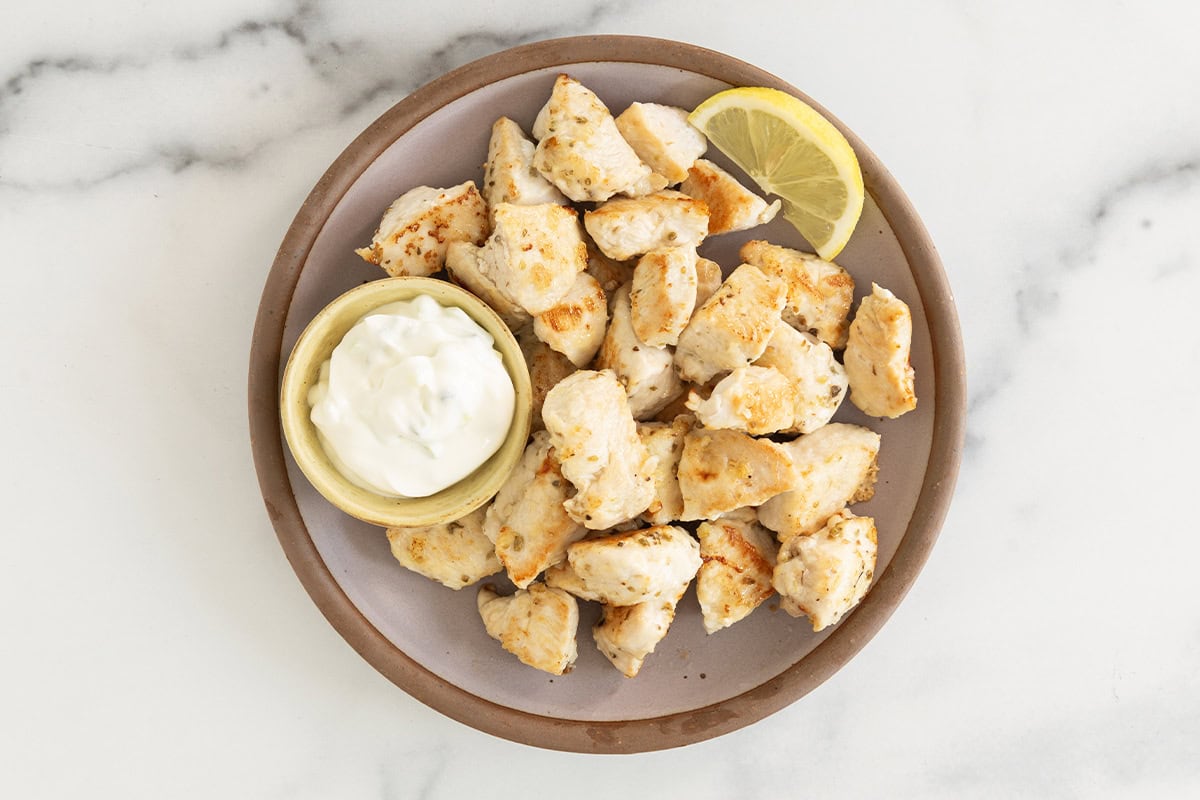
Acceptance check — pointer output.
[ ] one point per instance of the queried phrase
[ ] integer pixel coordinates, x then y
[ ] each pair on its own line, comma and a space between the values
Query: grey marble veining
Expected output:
357, 74
1037, 285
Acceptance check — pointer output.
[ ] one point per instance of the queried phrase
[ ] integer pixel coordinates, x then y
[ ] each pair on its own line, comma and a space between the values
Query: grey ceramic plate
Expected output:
428, 639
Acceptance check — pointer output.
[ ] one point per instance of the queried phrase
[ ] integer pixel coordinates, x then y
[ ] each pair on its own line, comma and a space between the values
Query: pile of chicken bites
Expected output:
681, 422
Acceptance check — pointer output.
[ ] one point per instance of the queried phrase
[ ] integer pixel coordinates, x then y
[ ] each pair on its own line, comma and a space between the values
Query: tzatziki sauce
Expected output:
413, 399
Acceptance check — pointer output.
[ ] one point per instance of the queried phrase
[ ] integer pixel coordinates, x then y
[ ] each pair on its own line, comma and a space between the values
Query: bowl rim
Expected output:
630, 736
300, 434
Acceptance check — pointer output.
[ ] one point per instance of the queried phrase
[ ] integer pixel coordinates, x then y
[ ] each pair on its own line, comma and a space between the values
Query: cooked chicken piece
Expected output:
546, 368
722, 470
664, 441
678, 405
708, 280
834, 465
537, 625
731, 206
732, 328
756, 400
455, 554
747, 514
647, 373
625, 569
415, 230
533, 254
596, 442
462, 265
818, 379
881, 378
581, 151
662, 296
527, 521
826, 573
563, 576
575, 327
663, 138
611, 274
509, 176
739, 557
819, 293
627, 634
626, 227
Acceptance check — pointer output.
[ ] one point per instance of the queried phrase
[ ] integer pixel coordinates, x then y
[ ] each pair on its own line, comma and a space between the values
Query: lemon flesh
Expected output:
789, 150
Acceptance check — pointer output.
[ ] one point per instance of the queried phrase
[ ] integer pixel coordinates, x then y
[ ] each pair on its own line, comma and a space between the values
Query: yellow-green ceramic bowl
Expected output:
314, 347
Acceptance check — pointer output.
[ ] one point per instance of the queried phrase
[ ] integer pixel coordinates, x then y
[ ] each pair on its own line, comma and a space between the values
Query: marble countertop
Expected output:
156, 642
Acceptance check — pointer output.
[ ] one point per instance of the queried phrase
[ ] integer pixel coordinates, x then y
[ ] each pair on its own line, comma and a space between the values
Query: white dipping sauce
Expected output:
413, 399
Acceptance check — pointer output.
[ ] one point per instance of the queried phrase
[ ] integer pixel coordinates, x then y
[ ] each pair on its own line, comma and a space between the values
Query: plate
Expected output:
429, 640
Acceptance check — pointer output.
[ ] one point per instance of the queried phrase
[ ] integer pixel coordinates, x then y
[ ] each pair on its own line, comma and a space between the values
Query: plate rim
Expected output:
631, 736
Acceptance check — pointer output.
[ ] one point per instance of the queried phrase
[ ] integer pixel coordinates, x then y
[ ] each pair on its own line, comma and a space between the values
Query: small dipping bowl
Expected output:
315, 346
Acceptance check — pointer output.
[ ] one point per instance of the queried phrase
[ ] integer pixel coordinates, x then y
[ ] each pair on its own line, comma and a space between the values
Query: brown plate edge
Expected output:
632, 736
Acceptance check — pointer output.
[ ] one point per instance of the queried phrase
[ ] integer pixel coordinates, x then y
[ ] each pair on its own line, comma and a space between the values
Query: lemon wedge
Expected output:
790, 150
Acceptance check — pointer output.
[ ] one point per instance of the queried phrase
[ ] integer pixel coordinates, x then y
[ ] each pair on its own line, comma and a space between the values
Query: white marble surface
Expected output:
155, 641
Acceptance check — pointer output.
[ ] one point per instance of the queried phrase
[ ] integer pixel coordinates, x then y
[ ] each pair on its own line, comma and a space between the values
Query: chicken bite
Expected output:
826, 573
581, 151
877, 356
818, 380
678, 405
455, 554
708, 280
533, 254
596, 442
723, 470
546, 368
509, 175
610, 274
755, 400
664, 441
662, 296
819, 293
575, 327
627, 634
527, 521
625, 569
626, 227
733, 326
647, 373
537, 625
463, 267
834, 465
417, 228
735, 579
663, 138
731, 206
